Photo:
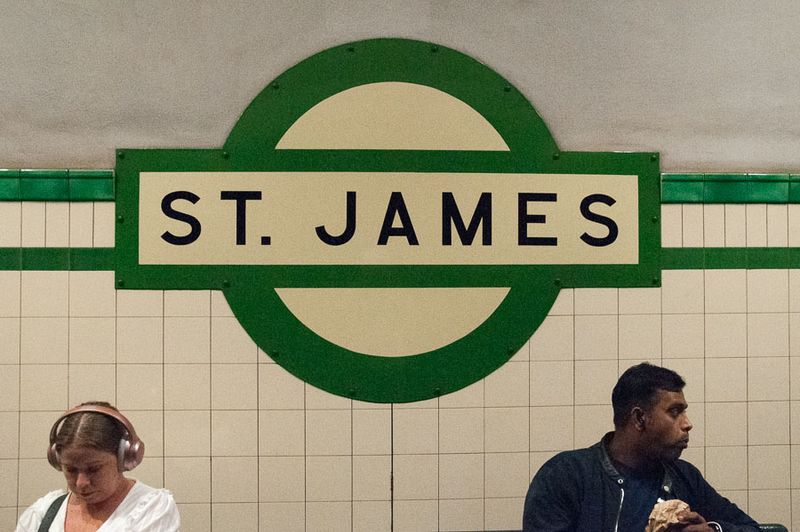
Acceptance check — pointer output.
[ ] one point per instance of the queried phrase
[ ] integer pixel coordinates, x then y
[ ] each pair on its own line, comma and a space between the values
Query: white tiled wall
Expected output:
751, 225
244, 445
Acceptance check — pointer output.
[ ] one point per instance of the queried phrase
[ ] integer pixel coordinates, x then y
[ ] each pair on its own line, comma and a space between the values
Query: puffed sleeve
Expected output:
155, 512
32, 517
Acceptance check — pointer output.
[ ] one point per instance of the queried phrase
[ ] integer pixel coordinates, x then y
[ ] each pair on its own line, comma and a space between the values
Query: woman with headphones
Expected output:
93, 444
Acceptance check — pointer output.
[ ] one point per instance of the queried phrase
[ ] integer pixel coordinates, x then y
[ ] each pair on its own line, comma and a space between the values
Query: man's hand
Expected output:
689, 521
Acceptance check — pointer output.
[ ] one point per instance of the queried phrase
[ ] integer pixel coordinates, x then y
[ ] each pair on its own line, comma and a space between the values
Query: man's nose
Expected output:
82, 480
687, 425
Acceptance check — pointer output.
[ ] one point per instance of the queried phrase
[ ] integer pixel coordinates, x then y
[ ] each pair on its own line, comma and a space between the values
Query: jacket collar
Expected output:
611, 471
605, 459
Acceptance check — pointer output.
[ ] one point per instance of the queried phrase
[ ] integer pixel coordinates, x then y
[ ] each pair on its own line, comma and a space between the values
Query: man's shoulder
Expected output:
686, 472
577, 454
572, 459
686, 468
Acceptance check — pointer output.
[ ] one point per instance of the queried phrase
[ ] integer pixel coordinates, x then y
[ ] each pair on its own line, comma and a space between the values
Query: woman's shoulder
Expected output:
142, 495
45, 501
146, 504
32, 516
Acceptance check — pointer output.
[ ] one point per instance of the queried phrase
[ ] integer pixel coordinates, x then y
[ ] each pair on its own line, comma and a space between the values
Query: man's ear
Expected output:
638, 417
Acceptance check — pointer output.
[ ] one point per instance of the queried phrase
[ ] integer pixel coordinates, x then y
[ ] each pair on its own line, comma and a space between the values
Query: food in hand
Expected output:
664, 515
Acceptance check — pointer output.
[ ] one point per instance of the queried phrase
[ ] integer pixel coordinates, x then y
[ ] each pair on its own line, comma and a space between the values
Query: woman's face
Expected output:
92, 475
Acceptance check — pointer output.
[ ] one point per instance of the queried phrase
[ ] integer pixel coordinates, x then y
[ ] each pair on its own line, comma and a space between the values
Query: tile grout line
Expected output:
574, 371
483, 456
258, 417
747, 360
163, 392
619, 361
116, 345
391, 467
439, 461
352, 470
705, 341
305, 456
210, 416
789, 353
163, 404
19, 375
530, 405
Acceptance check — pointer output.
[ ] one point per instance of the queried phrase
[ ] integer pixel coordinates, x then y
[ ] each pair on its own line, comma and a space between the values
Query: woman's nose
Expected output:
82, 480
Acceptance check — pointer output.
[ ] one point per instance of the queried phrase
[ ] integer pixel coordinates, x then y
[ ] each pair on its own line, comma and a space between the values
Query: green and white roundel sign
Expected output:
389, 220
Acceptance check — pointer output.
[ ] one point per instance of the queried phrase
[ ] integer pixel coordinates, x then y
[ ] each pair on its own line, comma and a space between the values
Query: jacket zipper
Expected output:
619, 511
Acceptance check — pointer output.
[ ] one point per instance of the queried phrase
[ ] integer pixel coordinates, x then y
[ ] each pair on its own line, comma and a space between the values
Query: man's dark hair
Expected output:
639, 386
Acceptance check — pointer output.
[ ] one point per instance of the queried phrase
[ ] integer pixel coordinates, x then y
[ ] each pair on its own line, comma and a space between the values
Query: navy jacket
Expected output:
582, 491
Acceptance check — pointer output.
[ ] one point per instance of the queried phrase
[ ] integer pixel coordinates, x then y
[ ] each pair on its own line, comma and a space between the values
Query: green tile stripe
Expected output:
56, 185
54, 259
729, 258
730, 188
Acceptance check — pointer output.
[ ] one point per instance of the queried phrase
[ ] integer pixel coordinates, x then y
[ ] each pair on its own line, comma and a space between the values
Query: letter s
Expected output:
170, 212
613, 230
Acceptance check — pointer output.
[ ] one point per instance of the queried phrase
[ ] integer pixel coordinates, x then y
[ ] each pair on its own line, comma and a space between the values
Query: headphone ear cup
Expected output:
122, 452
52, 457
129, 455
135, 454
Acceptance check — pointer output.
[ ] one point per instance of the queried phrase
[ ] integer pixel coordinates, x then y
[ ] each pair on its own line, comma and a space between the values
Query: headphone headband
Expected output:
131, 448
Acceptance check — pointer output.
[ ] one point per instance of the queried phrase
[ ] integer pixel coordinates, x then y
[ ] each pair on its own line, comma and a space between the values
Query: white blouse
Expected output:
144, 509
